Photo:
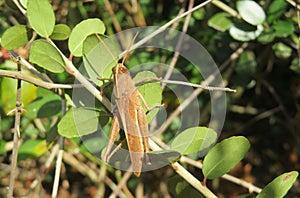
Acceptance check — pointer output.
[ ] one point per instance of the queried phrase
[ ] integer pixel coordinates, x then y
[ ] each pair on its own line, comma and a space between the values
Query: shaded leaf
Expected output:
194, 140
224, 156
41, 17
46, 56
60, 32
283, 28
251, 12
279, 186
78, 122
14, 37
81, 31
180, 188
220, 21
276, 10
32, 148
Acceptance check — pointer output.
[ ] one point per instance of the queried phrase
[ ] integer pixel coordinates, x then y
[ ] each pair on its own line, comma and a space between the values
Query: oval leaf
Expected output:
279, 186
46, 56
14, 37
81, 31
32, 148
97, 61
60, 32
220, 21
224, 156
78, 122
41, 17
283, 28
193, 140
251, 12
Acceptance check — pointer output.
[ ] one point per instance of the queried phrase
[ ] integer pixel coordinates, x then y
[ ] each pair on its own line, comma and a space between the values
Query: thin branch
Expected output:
175, 82
178, 45
14, 159
185, 174
59, 156
121, 185
164, 27
35, 81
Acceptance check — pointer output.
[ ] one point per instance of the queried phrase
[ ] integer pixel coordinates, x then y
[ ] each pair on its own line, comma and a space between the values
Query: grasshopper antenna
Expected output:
128, 49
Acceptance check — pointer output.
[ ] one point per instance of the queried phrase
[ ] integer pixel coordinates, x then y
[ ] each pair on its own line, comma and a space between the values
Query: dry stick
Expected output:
164, 27
14, 159
122, 183
178, 45
59, 155
175, 82
185, 103
35, 81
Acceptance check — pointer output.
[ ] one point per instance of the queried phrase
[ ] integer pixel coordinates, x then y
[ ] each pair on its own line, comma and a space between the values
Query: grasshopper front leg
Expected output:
113, 134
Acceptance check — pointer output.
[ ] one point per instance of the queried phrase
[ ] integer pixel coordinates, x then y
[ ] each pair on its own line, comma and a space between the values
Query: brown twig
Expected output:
14, 159
178, 45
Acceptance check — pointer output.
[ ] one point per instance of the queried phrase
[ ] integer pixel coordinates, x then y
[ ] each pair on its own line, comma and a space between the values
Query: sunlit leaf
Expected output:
60, 32
32, 148
41, 17
279, 186
46, 56
14, 37
81, 31
194, 140
224, 156
251, 12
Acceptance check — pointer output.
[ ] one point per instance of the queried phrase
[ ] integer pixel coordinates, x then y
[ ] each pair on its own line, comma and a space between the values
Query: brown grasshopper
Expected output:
131, 116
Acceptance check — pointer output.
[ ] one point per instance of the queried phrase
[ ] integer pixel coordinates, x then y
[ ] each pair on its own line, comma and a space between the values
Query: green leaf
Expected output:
267, 36
283, 28
251, 12
78, 122
295, 65
224, 156
241, 33
2, 147
60, 32
220, 21
151, 92
97, 61
279, 186
9, 97
14, 37
282, 50
41, 17
193, 140
32, 148
44, 107
276, 10
46, 56
81, 31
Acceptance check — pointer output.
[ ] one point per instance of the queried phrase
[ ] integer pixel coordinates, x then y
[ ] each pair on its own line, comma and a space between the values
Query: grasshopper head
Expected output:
119, 69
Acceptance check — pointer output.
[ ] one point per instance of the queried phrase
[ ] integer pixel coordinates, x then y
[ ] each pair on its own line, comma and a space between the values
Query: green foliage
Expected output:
14, 37
251, 11
41, 17
78, 122
224, 156
46, 56
81, 31
60, 32
279, 186
194, 140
